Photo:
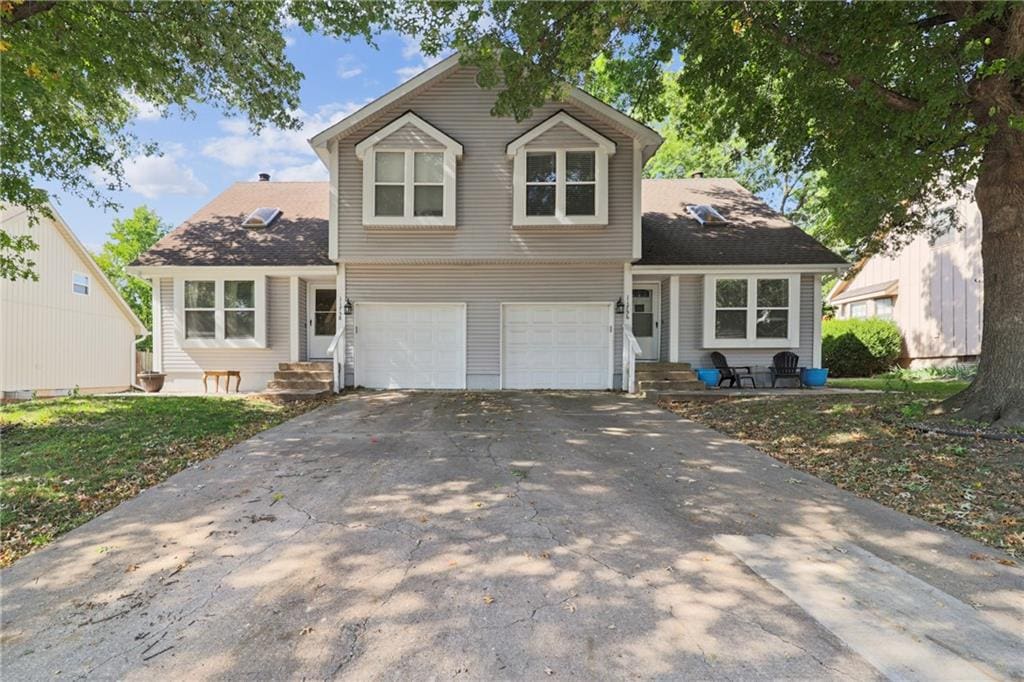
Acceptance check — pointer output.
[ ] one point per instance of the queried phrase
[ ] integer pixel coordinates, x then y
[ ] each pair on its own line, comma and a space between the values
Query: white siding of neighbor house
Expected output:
691, 319
483, 288
456, 105
939, 303
52, 339
184, 366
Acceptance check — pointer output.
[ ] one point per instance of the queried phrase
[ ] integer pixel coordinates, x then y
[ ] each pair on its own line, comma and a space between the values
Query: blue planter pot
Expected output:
710, 377
815, 377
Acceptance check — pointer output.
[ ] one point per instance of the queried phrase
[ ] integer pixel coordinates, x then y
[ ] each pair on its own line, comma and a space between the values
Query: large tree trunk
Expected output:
997, 394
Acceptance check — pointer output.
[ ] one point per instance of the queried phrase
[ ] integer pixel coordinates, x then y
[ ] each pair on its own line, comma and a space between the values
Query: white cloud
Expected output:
348, 67
273, 146
158, 176
144, 111
314, 170
411, 51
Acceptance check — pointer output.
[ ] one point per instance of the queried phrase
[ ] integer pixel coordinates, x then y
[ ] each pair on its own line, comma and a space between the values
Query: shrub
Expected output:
859, 348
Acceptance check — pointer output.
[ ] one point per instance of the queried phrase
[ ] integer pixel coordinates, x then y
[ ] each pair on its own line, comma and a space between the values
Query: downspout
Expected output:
135, 372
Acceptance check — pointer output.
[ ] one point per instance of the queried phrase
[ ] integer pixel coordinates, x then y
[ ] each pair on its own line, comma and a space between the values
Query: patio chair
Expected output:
735, 375
784, 366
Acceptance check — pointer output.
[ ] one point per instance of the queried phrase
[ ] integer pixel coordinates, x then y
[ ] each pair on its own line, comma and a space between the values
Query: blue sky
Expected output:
205, 154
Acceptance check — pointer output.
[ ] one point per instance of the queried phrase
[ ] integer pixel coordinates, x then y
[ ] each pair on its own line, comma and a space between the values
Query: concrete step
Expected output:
670, 385
666, 374
292, 395
299, 384
660, 366
304, 375
304, 366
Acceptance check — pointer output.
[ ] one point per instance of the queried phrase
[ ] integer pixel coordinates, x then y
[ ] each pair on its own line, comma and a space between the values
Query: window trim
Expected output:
519, 216
88, 283
259, 339
792, 339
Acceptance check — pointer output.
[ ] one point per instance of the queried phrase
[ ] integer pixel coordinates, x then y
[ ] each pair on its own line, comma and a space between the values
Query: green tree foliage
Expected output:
74, 73
898, 106
859, 348
126, 240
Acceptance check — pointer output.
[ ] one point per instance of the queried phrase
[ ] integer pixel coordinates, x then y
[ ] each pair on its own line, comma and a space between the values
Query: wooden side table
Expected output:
216, 374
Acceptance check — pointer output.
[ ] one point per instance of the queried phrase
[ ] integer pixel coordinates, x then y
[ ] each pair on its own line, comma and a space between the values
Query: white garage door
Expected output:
556, 345
410, 345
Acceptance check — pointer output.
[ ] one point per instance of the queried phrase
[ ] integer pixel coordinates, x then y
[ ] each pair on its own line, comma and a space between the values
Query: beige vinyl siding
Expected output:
456, 105
562, 135
939, 303
666, 302
184, 366
483, 288
52, 339
303, 318
409, 137
691, 334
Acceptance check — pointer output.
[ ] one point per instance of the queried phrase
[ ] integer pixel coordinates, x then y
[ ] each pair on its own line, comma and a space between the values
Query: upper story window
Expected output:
80, 283
560, 174
409, 173
748, 311
215, 312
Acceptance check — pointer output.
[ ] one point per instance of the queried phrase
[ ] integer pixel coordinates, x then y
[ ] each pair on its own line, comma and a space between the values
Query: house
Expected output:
454, 249
68, 330
931, 288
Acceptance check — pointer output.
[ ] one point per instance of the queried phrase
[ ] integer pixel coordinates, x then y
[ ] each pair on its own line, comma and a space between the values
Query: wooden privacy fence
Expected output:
143, 361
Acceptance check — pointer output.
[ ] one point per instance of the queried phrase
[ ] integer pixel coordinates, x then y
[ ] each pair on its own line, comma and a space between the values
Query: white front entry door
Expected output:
647, 320
410, 345
322, 322
556, 345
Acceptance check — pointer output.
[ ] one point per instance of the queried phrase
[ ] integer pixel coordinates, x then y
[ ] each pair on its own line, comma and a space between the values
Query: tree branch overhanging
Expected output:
14, 12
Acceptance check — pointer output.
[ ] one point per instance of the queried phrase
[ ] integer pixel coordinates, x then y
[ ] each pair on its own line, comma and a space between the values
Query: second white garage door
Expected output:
410, 345
556, 345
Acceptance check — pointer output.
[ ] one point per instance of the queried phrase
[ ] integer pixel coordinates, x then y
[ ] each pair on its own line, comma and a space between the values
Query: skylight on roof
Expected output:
705, 214
261, 217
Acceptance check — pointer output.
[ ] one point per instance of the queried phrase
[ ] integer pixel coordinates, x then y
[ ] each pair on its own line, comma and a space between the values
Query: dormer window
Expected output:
409, 175
705, 214
560, 174
261, 217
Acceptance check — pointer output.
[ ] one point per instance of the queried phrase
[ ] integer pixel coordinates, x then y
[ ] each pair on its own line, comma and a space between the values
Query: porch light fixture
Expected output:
347, 308
620, 307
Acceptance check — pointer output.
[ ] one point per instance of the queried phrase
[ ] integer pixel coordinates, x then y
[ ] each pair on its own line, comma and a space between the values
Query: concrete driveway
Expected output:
512, 535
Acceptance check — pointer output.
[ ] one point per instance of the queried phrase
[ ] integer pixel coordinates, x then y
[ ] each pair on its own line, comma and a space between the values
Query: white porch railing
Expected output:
630, 351
337, 352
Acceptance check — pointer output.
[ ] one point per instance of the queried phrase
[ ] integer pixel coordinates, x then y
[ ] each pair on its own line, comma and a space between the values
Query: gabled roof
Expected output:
83, 253
214, 235
647, 136
409, 118
754, 234
887, 288
560, 118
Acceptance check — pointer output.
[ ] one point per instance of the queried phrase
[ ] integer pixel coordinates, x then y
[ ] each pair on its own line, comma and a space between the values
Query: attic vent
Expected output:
705, 214
261, 217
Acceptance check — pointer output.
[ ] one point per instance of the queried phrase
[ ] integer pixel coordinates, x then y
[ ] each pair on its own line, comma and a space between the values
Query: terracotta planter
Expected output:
151, 382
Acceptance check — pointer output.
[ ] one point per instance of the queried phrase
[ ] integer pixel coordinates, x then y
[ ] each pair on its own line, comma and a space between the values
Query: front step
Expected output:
300, 381
299, 384
666, 375
303, 375
645, 385
662, 366
317, 366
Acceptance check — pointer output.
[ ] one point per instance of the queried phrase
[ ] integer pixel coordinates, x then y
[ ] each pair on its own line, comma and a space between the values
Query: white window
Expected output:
555, 185
409, 175
225, 312
751, 311
859, 309
80, 283
883, 308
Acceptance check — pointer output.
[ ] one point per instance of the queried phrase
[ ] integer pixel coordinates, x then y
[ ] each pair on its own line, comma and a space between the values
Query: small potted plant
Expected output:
151, 382
710, 377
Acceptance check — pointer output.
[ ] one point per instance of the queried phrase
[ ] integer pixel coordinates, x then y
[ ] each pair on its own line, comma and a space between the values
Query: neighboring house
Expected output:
70, 329
454, 249
932, 290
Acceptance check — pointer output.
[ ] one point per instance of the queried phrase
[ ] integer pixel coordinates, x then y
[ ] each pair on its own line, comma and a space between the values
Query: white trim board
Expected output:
738, 269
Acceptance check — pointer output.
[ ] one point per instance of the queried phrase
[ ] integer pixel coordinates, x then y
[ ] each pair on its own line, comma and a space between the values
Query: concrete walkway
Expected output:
488, 536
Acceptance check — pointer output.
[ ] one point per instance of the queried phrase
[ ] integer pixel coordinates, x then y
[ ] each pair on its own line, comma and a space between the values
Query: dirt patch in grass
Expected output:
68, 460
863, 444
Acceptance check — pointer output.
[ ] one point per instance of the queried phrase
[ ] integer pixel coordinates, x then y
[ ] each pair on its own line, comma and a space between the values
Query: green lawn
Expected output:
922, 388
67, 460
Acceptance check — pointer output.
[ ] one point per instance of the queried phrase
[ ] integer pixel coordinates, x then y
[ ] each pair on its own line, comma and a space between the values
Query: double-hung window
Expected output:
409, 175
216, 312
80, 283
751, 311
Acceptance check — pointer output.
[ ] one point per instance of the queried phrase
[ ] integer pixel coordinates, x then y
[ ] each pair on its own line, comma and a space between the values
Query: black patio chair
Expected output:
735, 375
784, 366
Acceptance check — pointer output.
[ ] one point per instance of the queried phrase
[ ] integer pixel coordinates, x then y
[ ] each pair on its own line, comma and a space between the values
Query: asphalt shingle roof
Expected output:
754, 233
214, 234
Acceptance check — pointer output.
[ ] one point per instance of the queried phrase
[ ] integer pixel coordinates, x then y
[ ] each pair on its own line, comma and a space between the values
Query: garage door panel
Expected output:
556, 345
410, 345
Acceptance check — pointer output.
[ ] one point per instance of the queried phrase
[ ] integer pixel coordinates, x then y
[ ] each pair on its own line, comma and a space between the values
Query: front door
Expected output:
323, 319
646, 321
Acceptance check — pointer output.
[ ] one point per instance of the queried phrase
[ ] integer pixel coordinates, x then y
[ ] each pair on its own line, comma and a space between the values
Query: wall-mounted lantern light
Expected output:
348, 306
620, 307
